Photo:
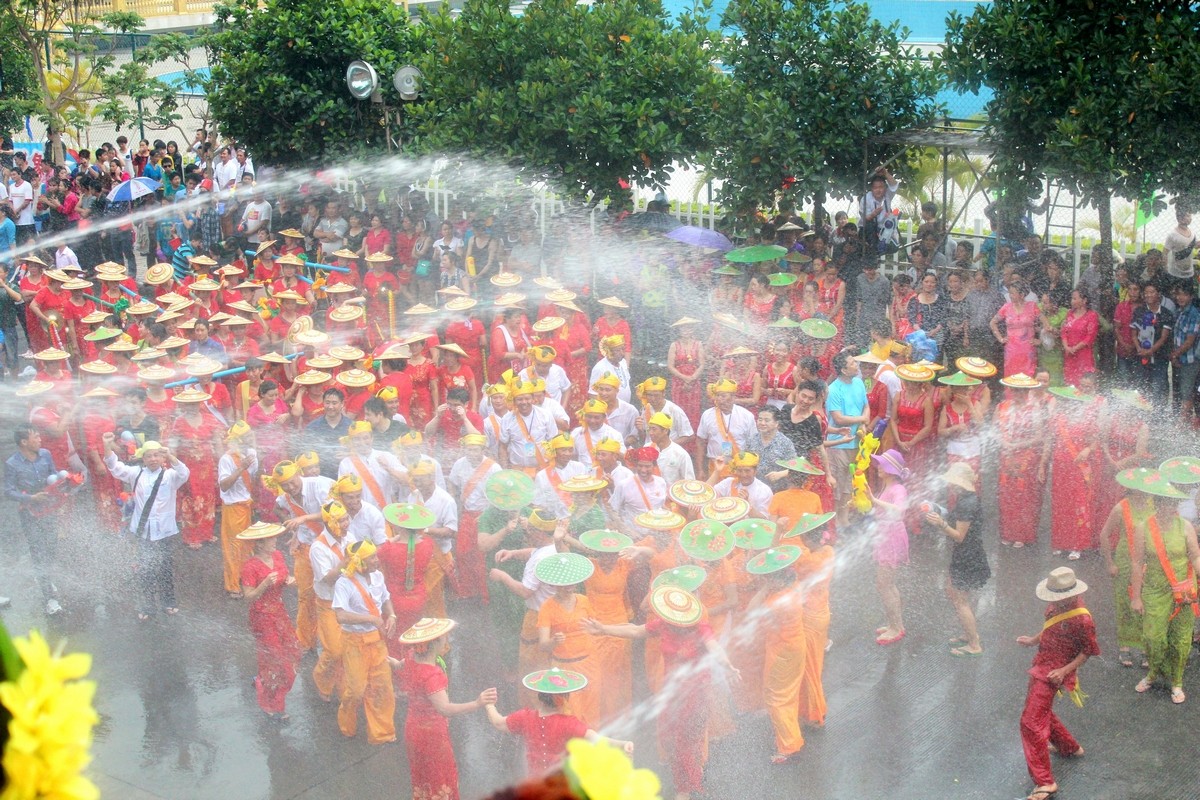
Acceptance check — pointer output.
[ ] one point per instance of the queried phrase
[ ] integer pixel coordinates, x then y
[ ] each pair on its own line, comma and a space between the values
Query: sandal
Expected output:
957, 641
234, 595
780, 758
962, 652
172, 610
881, 640
1177, 695
1043, 792
1143, 686
142, 617
1125, 658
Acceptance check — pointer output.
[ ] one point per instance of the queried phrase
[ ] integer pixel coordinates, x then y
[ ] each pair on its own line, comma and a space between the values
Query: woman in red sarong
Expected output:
404, 560
913, 429
1021, 426
831, 301
32, 282
902, 294
1071, 449
97, 421
423, 373
685, 362
46, 305
468, 332
271, 421
195, 439
779, 377
74, 310
680, 624
758, 305
508, 344
263, 577
420, 675
381, 306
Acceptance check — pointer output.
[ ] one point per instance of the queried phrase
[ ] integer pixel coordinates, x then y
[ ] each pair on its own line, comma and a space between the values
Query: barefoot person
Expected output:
1066, 641
969, 569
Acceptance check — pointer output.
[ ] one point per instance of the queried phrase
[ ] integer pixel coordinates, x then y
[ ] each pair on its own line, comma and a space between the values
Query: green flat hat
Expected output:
782, 278
689, 577
727, 269
809, 522
959, 379
676, 606
509, 490
1148, 481
800, 464
1181, 469
102, 334
1070, 393
564, 569
753, 534
412, 516
784, 322
605, 541
756, 253
554, 681
773, 560
796, 257
817, 328
706, 540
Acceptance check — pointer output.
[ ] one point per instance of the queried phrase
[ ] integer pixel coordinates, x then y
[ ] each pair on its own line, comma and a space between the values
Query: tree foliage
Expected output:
18, 81
1097, 93
279, 67
587, 95
810, 82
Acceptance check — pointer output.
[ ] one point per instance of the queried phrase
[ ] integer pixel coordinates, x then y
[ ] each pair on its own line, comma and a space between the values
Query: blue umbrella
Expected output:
701, 237
128, 191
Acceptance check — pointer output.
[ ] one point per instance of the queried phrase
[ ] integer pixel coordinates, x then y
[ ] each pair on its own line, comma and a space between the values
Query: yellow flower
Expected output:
50, 734
604, 772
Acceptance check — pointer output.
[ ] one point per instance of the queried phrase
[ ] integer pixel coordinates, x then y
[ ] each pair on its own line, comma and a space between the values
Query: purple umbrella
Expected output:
701, 237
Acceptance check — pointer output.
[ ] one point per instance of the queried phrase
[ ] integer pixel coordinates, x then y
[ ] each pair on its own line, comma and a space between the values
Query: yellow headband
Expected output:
347, 483
473, 439
654, 384
422, 468
358, 553
538, 522
723, 385
595, 406
283, 471
388, 393
308, 459
238, 430
661, 420
543, 354
523, 388
744, 459
560, 442
607, 445
360, 426
608, 379
609, 342
410, 439
332, 514
495, 389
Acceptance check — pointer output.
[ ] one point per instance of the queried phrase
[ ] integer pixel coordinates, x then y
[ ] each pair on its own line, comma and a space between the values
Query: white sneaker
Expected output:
53, 607
1018, 545
1074, 555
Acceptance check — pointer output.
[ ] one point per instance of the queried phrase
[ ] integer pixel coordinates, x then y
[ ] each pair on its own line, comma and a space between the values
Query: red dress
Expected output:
782, 379
759, 312
545, 737
910, 419
1073, 483
427, 734
405, 580
505, 341
85, 349
683, 721
198, 497
48, 301
467, 334
1076, 331
274, 634
105, 488
375, 288
604, 328
1020, 492
422, 377
688, 396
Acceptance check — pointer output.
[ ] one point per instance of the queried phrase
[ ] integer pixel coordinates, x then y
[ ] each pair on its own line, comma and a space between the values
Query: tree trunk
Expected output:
1104, 206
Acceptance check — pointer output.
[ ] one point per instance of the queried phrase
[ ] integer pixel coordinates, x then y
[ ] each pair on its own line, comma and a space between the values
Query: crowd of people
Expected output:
407, 428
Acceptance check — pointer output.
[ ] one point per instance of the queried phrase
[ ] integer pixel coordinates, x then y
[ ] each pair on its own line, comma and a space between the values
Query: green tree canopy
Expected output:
585, 95
18, 80
1097, 93
279, 68
810, 83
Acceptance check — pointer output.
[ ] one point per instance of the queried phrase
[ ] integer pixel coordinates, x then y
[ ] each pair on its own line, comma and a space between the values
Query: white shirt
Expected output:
522, 450
620, 474
323, 559
160, 522
624, 419
347, 598
582, 453
313, 493
460, 476
445, 515
681, 426
556, 380
889, 378
739, 423
260, 213
621, 370
541, 592
758, 494
544, 494
239, 491
225, 173
377, 462
65, 257
555, 410
675, 464
19, 194
368, 523
627, 501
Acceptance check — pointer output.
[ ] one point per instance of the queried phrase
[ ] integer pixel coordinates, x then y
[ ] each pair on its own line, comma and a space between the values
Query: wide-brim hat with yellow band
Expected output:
676, 606
345, 352
613, 302
191, 395
660, 519
725, 509
261, 530
427, 629
1018, 381
312, 377
460, 304
51, 354
914, 374
975, 367
34, 388
692, 493
324, 362
506, 280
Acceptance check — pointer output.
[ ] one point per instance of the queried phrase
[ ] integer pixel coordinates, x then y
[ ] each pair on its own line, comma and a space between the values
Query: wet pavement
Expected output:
179, 719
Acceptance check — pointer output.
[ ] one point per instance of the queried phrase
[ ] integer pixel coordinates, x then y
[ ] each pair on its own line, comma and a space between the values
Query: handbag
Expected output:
423, 268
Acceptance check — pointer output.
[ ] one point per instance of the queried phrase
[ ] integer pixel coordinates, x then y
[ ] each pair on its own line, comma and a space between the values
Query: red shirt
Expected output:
265, 272
679, 645
545, 737
1063, 641
459, 379
604, 328
451, 428
393, 563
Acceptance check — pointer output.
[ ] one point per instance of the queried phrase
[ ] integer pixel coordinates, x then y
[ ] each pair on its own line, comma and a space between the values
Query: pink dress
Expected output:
1075, 331
891, 535
1020, 352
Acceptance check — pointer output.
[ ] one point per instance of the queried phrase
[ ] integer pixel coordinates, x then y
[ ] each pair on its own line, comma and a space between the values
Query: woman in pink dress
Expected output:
1020, 318
891, 539
685, 362
1078, 333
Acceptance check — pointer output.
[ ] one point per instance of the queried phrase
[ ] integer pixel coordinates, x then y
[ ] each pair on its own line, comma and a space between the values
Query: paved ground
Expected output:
179, 719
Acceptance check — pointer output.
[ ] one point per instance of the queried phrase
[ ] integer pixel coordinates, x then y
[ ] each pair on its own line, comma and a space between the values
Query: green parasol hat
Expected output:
959, 379
818, 328
1181, 469
412, 516
753, 534
604, 541
1149, 481
756, 253
102, 334
688, 577
676, 606
554, 681
1071, 393
774, 559
784, 322
809, 522
725, 509
509, 490
727, 269
782, 278
564, 569
800, 464
706, 540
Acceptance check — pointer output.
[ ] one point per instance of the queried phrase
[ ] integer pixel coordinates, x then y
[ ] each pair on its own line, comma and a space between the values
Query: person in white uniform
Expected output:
594, 428
523, 430
674, 463
546, 492
744, 483
653, 394
724, 428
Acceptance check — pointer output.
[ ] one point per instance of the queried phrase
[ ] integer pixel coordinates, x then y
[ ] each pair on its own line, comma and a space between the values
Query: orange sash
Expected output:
369, 601
368, 480
555, 480
299, 511
587, 438
1184, 593
495, 426
724, 431
642, 490
476, 477
245, 477
333, 548
537, 449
